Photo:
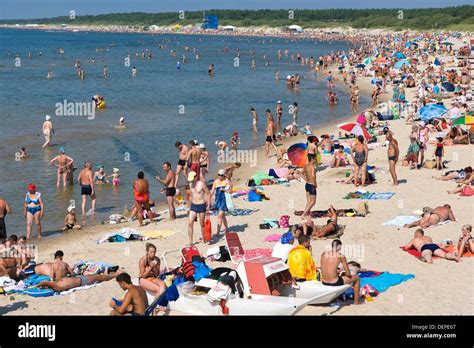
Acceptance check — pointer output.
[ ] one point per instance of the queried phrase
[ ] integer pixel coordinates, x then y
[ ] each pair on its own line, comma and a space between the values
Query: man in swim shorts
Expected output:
200, 204
135, 301
141, 195
311, 185
57, 269
86, 181
68, 283
427, 248
170, 189
194, 156
182, 165
433, 216
4, 210
330, 260
270, 133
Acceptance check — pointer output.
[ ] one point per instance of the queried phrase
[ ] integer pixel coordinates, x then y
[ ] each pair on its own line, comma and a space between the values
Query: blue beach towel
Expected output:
171, 294
385, 280
380, 195
401, 220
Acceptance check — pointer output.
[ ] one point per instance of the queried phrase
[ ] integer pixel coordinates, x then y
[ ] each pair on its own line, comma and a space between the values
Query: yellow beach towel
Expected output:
159, 233
301, 263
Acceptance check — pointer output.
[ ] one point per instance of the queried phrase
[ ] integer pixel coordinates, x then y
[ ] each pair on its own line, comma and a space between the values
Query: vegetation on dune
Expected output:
453, 18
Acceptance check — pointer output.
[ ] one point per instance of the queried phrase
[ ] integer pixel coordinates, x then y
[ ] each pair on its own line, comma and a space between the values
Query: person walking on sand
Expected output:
330, 261
47, 131
170, 188
194, 157
392, 153
204, 162
269, 134
141, 195
254, 119
200, 204
220, 186
311, 185
182, 165
64, 163
360, 154
86, 181
33, 209
427, 248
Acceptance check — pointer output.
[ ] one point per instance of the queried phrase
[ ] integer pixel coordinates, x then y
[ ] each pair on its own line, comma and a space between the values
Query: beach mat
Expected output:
401, 220
158, 234
337, 233
385, 280
369, 195
272, 238
325, 213
236, 212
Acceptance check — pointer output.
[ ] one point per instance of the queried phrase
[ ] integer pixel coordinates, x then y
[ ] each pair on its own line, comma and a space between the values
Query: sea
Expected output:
162, 104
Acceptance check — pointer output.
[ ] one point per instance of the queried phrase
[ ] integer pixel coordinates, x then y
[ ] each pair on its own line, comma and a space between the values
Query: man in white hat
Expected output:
200, 204
47, 130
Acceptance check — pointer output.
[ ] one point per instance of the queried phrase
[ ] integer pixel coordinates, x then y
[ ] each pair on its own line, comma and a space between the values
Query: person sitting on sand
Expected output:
68, 283
149, 272
300, 260
466, 241
340, 157
433, 216
467, 181
283, 247
57, 269
329, 228
135, 301
427, 248
70, 221
330, 261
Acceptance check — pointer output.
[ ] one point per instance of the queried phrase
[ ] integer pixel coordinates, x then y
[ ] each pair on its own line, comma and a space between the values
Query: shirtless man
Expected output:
330, 261
47, 130
63, 162
311, 185
427, 248
57, 269
86, 181
433, 216
4, 210
254, 119
141, 194
182, 165
269, 133
135, 301
68, 283
279, 113
200, 204
392, 153
195, 155
170, 188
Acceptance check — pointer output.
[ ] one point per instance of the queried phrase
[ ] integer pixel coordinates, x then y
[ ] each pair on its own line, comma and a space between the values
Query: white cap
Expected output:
288, 77
202, 146
221, 172
47, 117
279, 102
122, 119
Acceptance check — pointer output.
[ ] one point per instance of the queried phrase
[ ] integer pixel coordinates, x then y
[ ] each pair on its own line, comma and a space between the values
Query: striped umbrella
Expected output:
466, 119
355, 129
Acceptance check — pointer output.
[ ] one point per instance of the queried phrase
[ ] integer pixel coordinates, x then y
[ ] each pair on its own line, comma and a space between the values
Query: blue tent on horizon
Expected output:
431, 111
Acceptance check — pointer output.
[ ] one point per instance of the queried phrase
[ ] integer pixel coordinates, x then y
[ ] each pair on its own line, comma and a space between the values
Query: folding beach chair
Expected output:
149, 310
236, 251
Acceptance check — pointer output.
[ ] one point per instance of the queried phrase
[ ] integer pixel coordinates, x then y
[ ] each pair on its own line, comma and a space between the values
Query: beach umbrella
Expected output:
449, 87
355, 129
400, 63
399, 55
360, 66
298, 155
367, 61
432, 111
382, 61
466, 119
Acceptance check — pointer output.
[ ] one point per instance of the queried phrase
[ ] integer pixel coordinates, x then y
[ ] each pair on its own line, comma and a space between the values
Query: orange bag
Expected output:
207, 229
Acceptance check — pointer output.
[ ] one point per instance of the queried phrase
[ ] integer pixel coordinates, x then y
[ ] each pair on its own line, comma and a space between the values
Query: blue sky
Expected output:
16, 9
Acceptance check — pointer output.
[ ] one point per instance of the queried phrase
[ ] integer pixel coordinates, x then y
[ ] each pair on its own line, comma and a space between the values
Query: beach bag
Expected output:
253, 196
284, 221
207, 229
430, 164
201, 270
228, 202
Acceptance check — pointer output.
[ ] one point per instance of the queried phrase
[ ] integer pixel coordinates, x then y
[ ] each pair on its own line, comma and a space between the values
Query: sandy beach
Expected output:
441, 288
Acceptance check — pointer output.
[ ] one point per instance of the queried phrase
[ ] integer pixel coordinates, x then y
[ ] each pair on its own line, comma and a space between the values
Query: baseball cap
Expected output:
202, 146
221, 172
191, 175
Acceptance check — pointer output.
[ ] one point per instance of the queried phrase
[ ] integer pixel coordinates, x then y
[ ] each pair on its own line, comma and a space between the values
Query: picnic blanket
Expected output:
272, 238
401, 220
325, 213
237, 212
369, 195
336, 234
385, 280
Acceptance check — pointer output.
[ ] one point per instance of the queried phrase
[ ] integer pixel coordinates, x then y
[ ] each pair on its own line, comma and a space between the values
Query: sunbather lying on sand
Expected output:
427, 248
468, 180
310, 229
433, 216
75, 282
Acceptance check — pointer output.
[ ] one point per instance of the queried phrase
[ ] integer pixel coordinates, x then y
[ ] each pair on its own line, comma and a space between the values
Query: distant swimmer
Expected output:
211, 70
50, 75
47, 130
254, 64
121, 124
134, 71
178, 65
64, 163
22, 154
106, 72
277, 75
254, 119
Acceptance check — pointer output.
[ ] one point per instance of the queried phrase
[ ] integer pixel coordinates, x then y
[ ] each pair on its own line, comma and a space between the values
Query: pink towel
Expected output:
272, 238
250, 253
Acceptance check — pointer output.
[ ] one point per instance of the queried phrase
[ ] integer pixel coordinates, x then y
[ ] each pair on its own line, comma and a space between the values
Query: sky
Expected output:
25, 9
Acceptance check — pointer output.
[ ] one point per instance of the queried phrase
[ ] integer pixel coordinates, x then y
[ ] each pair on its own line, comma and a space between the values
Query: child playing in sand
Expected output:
115, 177
439, 153
70, 220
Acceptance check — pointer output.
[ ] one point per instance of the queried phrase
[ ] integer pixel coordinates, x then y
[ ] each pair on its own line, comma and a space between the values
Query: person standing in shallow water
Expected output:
86, 181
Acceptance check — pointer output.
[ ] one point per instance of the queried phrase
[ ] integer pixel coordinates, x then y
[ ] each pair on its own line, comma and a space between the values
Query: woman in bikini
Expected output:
466, 241
149, 272
33, 210
340, 158
100, 177
360, 154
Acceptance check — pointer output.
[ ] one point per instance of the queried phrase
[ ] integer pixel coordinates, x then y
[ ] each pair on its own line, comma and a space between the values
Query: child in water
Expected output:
115, 177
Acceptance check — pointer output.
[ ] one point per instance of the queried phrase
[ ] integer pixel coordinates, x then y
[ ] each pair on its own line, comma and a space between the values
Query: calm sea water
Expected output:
150, 102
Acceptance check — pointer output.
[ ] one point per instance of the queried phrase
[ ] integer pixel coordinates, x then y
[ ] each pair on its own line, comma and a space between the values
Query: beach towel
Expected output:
369, 195
261, 176
272, 238
385, 280
301, 263
401, 220
467, 191
336, 234
417, 254
158, 234
236, 212
123, 235
171, 294
70, 291
381, 195
453, 249
91, 267
325, 213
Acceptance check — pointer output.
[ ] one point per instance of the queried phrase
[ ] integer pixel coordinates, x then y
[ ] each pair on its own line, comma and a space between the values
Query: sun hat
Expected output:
221, 172
47, 117
191, 176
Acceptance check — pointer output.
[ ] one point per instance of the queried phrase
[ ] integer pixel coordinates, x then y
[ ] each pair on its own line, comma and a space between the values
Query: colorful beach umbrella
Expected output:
466, 119
432, 111
400, 63
298, 155
356, 129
